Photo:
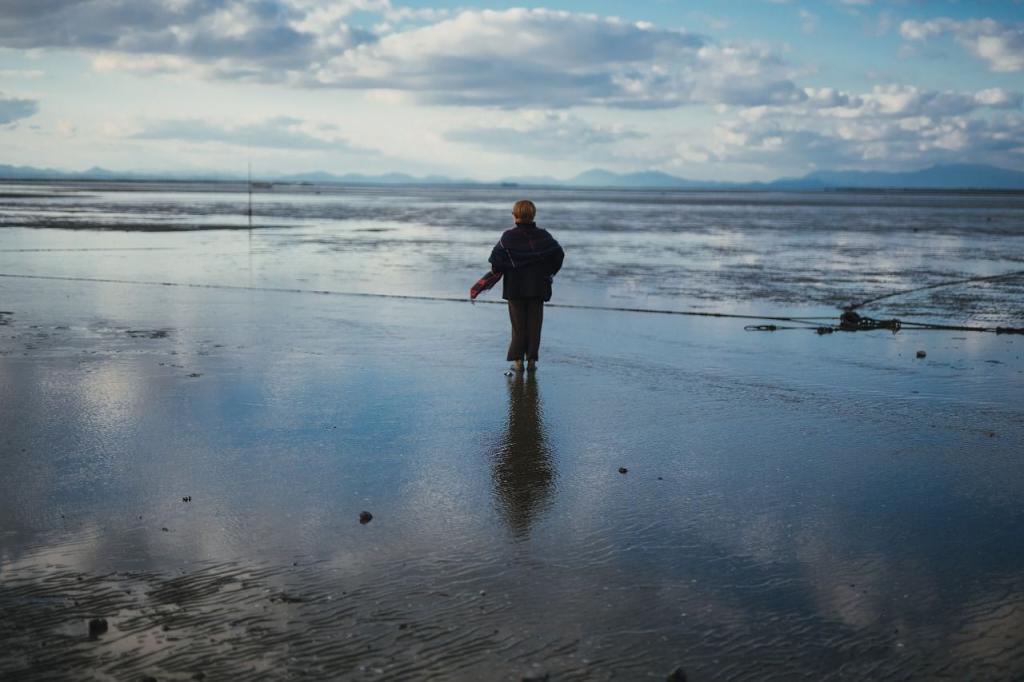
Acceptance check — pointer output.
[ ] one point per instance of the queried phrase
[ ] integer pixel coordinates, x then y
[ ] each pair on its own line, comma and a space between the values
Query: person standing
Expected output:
527, 257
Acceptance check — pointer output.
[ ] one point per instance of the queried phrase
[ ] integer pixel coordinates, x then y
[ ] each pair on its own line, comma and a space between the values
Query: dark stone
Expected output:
365, 517
677, 675
97, 626
195, 375
187, 498
921, 354
165, 530
623, 470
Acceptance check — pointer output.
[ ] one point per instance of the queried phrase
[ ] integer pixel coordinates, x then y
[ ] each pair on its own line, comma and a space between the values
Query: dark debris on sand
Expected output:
148, 333
97, 626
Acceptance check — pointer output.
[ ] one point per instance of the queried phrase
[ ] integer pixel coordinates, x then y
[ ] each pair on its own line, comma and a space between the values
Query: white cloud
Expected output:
519, 57
543, 58
29, 74
546, 134
276, 133
66, 128
808, 21
1001, 45
898, 125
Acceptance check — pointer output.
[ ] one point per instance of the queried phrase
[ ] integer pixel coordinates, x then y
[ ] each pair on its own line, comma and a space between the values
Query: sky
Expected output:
730, 90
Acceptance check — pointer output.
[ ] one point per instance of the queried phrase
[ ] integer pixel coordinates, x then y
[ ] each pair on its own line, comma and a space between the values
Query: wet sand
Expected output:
187, 460
794, 507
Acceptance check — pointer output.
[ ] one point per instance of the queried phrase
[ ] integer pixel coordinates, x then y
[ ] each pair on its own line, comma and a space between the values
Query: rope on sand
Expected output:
950, 283
849, 321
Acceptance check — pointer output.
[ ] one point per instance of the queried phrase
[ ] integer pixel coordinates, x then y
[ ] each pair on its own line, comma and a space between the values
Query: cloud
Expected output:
13, 109
547, 134
1001, 45
893, 125
543, 58
30, 74
808, 21
275, 133
533, 58
264, 39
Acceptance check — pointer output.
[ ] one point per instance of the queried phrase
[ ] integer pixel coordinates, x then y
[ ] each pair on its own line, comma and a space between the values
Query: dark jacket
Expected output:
528, 258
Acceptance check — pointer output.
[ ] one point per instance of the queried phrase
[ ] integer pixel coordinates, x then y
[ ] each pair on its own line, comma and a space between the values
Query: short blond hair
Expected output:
524, 211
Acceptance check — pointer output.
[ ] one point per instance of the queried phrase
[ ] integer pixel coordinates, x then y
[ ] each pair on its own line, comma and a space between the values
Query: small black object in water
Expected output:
365, 517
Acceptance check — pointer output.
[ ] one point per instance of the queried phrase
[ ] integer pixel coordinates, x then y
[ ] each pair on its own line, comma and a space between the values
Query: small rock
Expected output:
194, 375
187, 498
508, 373
921, 354
365, 517
677, 675
623, 470
97, 626
403, 626
165, 529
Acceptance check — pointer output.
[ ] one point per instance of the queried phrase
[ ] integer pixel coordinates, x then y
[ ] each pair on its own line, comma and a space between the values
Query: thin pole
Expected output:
250, 199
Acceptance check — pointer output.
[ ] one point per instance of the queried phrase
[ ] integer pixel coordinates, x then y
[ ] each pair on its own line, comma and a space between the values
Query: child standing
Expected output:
527, 257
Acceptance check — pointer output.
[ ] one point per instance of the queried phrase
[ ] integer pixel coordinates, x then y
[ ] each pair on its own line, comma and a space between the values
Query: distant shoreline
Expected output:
269, 186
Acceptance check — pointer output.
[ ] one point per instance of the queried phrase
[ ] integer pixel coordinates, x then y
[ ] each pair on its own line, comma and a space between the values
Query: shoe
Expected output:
532, 367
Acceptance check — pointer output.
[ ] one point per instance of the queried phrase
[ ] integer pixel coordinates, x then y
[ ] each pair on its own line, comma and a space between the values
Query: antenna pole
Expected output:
250, 195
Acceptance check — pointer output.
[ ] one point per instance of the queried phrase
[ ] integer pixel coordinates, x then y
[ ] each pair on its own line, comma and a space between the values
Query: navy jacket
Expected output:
528, 258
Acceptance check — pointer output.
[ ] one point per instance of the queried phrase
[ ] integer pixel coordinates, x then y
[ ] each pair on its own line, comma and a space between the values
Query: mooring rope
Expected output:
969, 280
853, 321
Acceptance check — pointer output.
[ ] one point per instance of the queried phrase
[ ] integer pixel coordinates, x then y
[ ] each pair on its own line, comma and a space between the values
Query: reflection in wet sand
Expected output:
523, 471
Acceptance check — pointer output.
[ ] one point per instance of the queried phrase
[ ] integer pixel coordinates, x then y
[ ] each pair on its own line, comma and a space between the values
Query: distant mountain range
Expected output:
952, 176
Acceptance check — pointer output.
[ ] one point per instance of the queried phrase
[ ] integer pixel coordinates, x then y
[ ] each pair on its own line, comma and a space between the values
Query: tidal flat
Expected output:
192, 423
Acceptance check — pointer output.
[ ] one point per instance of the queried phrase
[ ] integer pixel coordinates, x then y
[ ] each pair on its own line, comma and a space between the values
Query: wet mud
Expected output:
227, 482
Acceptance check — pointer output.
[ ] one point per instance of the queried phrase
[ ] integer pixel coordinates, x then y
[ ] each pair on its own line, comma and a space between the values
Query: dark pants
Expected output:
527, 316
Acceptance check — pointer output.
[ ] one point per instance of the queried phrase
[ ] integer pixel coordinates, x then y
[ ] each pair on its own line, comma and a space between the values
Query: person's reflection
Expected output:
523, 471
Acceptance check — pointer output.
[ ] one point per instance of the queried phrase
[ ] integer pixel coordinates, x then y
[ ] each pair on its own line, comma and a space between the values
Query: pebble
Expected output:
187, 498
97, 626
365, 517
623, 470
921, 354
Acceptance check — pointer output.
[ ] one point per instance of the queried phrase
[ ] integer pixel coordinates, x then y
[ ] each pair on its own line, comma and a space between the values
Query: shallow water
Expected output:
753, 252
794, 507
